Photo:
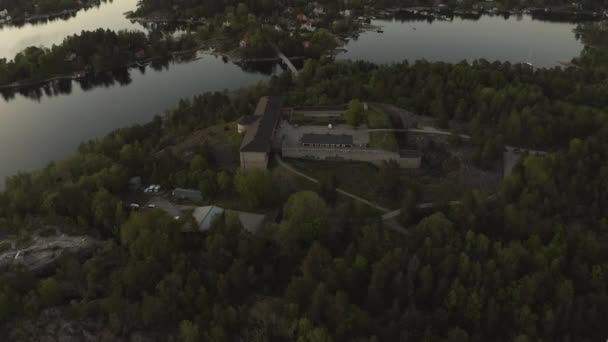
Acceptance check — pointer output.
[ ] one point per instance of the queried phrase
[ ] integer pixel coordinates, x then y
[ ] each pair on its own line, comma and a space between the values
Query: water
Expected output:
37, 129
517, 40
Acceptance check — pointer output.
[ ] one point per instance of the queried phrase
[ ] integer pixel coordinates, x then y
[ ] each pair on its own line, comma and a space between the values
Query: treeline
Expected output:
23, 8
90, 51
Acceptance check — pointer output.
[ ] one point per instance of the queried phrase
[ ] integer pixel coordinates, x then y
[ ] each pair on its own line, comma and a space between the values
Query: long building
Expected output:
259, 130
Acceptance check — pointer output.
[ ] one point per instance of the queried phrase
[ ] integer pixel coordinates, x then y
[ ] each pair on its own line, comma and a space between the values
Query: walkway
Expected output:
396, 213
423, 130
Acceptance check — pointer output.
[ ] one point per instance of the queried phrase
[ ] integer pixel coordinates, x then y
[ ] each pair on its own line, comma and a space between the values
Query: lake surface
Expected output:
517, 40
35, 130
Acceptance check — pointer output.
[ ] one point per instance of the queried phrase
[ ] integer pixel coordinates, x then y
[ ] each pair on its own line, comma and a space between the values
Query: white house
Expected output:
307, 26
346, 13
3, 13
318, 10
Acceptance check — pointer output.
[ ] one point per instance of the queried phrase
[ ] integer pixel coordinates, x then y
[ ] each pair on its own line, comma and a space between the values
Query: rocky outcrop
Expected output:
41, 253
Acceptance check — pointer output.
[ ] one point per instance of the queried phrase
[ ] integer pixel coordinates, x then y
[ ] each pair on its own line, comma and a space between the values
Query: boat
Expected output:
379, 31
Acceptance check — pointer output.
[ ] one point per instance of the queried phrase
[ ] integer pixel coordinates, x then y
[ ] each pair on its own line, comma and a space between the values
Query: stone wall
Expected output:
254, 160
350, 154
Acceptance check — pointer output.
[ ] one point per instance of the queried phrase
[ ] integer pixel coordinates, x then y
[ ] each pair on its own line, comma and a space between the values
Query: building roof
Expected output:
259, 136
332, 139
248, 119
204, 216
188, 193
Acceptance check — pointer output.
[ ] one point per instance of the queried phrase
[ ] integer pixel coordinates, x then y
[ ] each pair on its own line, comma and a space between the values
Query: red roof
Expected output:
140, 54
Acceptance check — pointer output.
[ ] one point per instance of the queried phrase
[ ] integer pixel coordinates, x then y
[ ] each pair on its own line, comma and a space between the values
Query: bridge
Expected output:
292, 68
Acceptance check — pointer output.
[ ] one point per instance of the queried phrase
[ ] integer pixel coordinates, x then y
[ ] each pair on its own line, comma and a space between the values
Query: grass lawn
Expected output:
376, 119
356, 178
384, 141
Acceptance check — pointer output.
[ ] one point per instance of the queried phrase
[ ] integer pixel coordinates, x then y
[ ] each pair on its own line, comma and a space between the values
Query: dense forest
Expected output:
526, 264
197, 8
90, 51
24, 8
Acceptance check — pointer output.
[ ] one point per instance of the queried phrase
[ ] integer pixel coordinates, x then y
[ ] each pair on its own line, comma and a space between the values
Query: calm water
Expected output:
35, 130
522, 39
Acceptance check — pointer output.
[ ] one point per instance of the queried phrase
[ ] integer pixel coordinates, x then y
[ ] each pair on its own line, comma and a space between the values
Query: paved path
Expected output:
423, 130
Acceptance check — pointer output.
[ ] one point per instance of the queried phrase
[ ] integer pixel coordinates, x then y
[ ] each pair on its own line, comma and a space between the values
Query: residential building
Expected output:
307, 26
257, 142
244, 42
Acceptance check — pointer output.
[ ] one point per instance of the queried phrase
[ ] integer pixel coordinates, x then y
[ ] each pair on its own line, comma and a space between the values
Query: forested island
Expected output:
90, 51
20, 11
525, 262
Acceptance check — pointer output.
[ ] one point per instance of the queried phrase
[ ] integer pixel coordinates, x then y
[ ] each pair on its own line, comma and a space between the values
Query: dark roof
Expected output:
259, 136
333, 139
320, 108
248, 119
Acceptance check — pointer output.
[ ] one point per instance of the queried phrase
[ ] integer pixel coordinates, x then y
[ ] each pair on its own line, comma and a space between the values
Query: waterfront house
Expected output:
3, 14
318, 10
70, 57
140, 54
244, 42
302, 17
307, 26
345, 13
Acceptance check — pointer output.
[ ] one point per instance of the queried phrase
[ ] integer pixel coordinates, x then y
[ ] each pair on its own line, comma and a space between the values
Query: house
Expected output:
206, 216
278, 28
318, 10
3, 14
226, 24
257, 142
306, 44
140, 54
302, 17
70, 57
346, 13
244, 42
187, 194
307, 26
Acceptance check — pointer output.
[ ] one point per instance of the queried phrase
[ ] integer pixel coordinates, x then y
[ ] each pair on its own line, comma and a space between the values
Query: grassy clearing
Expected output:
384, 141
356, 178
376, 119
